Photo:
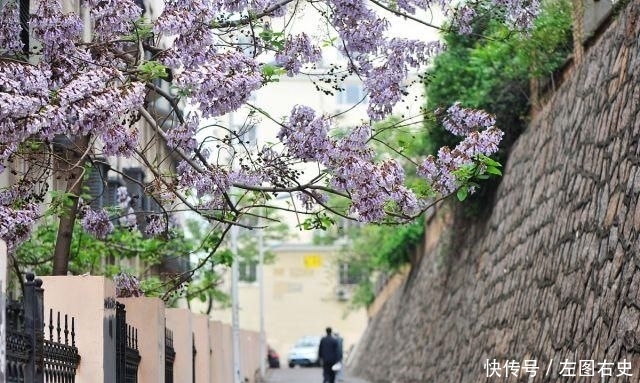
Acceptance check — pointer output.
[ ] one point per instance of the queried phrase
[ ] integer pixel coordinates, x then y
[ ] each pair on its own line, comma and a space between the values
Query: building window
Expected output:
352, 93
348, 275
247, 271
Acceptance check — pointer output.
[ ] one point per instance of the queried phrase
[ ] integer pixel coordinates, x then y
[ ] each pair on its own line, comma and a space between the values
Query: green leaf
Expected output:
489, 161
329, 42
462, 193
224, 257
270, 72
494, 170
151, 70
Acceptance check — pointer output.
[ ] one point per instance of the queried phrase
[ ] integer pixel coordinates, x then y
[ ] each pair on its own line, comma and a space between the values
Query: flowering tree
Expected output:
67, 96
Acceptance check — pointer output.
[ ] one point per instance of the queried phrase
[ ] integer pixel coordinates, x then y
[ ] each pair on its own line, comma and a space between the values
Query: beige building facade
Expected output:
302, 296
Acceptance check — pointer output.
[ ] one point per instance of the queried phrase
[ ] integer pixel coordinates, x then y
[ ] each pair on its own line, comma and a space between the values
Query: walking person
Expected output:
329, 353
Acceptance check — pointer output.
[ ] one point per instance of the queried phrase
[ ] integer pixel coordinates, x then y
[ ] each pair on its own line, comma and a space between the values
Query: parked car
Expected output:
304, 352
273, 358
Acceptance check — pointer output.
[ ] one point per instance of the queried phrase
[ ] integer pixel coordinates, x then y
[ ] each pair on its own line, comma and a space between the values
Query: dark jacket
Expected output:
329, 350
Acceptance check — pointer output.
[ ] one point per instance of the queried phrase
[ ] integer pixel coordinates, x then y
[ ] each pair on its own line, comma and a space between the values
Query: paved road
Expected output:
295, 375
301, 375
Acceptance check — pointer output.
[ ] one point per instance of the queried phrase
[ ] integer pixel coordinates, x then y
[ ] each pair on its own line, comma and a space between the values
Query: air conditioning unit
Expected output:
343, 294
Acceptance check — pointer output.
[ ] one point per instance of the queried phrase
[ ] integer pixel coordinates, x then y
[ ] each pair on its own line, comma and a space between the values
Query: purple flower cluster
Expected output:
102, 114
480, 138
84, 85
520, 14
96, 223
484, 142
233, 5
306, 136
354, 144
183, 135
463, 19
127, 286
372, 186
377, 188
113, 18
223, 84
410, 6
193, 48
59, 34
9, 28
15, 192
87, 102
210, 183
181, 16
23, 101
189, 21
16, 223
385, 83
156, 225
297, 51
462, 121
358, 25
16, 216
363, 34
247, 177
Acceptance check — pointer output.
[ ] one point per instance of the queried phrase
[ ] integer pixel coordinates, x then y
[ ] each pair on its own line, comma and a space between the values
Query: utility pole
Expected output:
261, 288
235, 320
263, 341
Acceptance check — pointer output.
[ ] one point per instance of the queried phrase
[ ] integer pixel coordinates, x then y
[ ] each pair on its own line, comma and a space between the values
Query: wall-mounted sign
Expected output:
312, 261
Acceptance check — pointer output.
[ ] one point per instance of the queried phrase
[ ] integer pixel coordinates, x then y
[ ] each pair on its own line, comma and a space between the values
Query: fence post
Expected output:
34, 326
121, 342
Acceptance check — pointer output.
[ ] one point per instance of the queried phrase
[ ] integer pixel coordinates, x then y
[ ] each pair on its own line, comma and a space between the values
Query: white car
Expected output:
304, 352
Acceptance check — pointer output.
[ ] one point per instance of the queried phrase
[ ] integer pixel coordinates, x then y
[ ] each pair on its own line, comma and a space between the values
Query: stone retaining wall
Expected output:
554, 273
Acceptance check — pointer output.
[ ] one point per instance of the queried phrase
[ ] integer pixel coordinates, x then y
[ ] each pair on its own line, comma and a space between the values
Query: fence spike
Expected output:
51, 324
136, 337
66, 330
58, 329
73, 332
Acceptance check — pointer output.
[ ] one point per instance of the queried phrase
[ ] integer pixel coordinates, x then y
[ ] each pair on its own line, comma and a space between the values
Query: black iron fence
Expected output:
169, 355
18, 345
127, 354
30, 357
60, 359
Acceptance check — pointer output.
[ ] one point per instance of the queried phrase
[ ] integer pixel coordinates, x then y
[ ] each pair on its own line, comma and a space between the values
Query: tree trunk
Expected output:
73, 158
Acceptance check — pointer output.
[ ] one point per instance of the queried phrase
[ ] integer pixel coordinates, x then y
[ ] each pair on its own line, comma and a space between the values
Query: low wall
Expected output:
220, 372
147, 315
179, 321
202, 345
90, 300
